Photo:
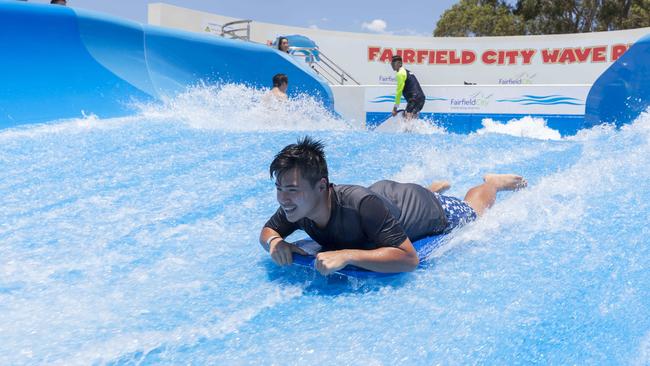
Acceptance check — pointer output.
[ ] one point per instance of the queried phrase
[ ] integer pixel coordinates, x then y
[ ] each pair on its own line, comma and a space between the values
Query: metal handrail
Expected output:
232, 32
323, 65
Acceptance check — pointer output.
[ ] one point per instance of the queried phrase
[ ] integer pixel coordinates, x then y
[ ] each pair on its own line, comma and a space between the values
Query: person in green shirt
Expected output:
409, 87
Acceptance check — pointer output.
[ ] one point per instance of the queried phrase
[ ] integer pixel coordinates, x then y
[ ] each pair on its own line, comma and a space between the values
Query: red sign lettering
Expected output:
408, 56
599, 54
372, 53
453, 59
489, 57
441, 57
550, 57
468, 57
387, 55
567, 55
618, 50
582, 54
421, 55
527, 55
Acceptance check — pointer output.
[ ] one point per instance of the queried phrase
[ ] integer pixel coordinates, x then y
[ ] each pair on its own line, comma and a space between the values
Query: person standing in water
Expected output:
279, 90
407, 85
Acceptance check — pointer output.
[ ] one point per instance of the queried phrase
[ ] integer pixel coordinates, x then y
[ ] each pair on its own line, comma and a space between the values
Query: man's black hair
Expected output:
307, 155
396, 58
279, 79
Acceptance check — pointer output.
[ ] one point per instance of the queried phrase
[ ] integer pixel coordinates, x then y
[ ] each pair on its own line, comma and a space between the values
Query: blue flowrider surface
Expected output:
424, 247
67, 62
622, 92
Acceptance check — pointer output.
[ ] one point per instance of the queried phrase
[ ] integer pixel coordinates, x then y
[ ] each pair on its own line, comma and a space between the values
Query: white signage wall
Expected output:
520, 60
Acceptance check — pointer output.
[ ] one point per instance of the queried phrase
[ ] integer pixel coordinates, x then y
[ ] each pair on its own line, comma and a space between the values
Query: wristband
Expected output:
269, 240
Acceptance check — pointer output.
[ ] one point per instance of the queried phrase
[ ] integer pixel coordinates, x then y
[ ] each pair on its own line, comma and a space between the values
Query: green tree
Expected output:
552, 17
478, 18
497, 18
612, 14
638, 15
578, 16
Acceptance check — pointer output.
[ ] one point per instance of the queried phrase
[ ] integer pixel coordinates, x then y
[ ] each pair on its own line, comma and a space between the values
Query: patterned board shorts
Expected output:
458, 212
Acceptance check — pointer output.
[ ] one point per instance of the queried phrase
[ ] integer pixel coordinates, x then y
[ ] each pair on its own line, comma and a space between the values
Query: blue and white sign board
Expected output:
466, 106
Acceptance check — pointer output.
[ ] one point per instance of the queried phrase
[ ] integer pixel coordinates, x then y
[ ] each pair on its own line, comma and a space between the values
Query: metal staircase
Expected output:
315, 58
228, 30
323, 65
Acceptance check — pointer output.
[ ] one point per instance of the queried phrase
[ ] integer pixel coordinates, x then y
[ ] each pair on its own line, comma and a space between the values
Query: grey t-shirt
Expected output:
384, 214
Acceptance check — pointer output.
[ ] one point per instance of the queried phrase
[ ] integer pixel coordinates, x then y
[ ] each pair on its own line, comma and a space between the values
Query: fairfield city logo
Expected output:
523, 78
474, 101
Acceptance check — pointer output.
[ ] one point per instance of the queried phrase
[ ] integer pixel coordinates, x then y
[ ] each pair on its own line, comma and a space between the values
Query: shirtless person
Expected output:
280, 86
371, 228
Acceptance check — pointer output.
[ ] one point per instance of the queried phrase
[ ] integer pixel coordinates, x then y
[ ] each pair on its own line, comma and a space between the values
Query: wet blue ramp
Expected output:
622, 92
58, 62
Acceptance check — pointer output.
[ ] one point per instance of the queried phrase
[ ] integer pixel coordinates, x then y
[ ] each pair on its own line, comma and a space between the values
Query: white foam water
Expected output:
399, 124
135, 241
235, 107
531, 127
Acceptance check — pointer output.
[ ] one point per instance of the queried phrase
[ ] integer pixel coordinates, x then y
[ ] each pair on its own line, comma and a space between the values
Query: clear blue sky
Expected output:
417, 17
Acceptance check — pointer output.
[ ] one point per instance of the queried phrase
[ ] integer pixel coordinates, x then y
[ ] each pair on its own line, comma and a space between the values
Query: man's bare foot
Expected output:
505, 182
439, 186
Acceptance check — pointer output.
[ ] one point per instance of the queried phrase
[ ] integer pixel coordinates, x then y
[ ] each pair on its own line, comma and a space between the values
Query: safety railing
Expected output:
317, 60
323, 65
227, 30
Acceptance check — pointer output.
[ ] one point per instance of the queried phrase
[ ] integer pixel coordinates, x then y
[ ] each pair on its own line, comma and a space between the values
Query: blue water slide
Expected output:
58, 62
622, 92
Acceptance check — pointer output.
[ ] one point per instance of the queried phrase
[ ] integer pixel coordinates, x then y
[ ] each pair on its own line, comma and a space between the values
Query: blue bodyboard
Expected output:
424, 247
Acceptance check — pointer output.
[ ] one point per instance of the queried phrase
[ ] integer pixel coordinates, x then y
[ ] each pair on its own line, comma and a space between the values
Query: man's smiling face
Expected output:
296, 195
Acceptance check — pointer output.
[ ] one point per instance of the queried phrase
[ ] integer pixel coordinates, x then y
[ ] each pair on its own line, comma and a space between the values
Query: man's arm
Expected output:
401, 81
280, 250
394, 252
402, 258
266, 234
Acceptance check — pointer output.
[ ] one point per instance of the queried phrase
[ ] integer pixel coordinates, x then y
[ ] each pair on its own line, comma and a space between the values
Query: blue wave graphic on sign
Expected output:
554, 99
391, 99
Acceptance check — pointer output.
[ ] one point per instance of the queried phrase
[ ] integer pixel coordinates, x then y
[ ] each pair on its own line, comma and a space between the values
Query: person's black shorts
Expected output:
415, 105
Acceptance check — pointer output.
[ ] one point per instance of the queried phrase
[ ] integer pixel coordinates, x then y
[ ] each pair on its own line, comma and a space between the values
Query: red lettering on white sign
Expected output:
618, 50
527, 55
489, 57
566, 55
372, 53
599, 54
